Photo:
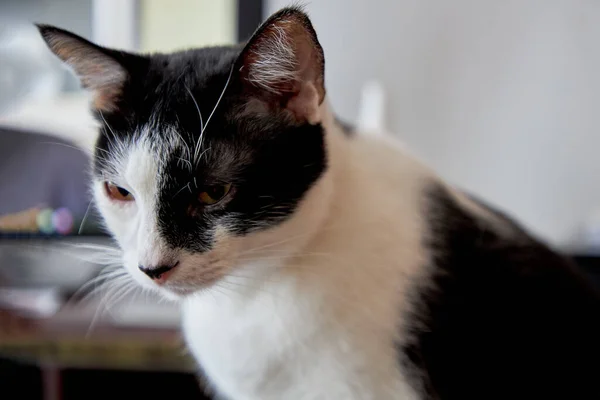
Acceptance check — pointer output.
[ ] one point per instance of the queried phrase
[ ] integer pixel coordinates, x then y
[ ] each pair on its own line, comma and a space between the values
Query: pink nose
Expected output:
160, 273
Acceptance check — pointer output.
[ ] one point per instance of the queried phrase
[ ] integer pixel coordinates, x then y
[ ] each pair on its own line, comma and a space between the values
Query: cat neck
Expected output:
313, 279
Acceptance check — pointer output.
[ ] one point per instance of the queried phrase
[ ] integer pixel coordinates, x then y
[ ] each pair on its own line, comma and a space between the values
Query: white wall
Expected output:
501, 97
181, 24
74, 15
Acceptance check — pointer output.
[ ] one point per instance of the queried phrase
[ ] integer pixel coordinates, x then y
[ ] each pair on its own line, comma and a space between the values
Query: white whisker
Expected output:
187, 185
211, 114
114, 135
85, 216
187, 162
199, 142
81, 149
185, 149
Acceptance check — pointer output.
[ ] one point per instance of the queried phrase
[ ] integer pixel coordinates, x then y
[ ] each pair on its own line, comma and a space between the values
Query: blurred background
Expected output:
501, 98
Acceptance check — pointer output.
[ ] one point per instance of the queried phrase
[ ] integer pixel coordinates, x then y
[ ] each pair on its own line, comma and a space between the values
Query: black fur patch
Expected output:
270, 160
504, 318
211, 118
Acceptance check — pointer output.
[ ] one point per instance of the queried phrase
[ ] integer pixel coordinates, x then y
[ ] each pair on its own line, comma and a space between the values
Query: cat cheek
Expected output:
120, 227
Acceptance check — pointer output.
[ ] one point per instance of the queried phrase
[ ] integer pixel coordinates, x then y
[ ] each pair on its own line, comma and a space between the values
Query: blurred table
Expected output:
55, 346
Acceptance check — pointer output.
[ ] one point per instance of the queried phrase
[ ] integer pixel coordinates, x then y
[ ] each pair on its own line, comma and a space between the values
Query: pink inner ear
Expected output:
284, 66
310, 63
105, 83
98, 72
271, 63
102, 76
305, 104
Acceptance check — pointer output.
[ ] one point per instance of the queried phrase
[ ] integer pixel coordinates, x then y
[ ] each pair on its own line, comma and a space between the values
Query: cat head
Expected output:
210, 159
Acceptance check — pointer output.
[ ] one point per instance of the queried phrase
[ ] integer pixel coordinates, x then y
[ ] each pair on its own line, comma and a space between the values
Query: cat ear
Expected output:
283, 65
95, 66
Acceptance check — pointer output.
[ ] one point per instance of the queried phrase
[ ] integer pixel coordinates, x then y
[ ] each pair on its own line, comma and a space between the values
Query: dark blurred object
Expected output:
52, 359
250, 16
591, 265
20, 381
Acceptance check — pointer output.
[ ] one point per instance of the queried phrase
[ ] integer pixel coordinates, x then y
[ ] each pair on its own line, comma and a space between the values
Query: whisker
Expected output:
199, 142
201, 154
185, 148
187, 185
99, 284
103, 305
187, 162
219, 99
108, 126
125, 290
97, 246
85, 151
95, 317
214, 109
197, 107
85, 216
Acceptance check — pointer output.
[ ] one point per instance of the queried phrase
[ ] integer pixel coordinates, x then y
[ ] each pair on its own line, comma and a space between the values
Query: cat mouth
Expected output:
184, 286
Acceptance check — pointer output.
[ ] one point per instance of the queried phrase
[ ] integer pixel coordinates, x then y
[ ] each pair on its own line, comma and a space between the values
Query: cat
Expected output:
312, 261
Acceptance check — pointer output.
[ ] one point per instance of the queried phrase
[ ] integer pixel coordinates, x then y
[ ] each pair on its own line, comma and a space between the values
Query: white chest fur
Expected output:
279, 345
325, 323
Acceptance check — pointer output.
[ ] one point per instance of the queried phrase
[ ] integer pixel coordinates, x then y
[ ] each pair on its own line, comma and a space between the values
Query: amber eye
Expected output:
214, 194
117, 193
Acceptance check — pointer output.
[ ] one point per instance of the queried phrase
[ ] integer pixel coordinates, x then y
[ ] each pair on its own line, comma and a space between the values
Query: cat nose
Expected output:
159, 273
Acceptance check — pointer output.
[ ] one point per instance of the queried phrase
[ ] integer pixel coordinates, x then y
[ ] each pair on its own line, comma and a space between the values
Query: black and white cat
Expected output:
312, 262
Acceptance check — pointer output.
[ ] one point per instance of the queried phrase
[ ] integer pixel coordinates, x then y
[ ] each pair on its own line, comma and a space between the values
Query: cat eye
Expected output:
117, 193
213, 194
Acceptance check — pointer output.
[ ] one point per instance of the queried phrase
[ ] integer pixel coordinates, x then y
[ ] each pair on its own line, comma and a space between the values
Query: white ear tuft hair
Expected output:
274, 62
283, 63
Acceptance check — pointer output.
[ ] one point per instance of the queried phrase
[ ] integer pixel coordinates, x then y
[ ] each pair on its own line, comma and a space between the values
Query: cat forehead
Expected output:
165, 82
161, 143
195, 66
167, 106
170, 89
